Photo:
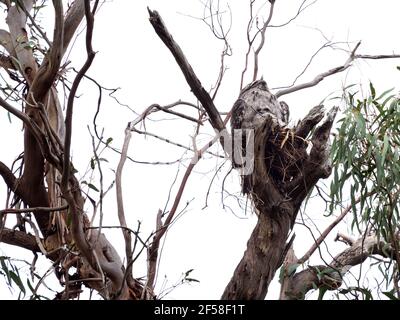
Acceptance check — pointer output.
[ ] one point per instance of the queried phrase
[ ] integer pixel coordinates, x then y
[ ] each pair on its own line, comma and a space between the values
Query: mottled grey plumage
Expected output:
253, 106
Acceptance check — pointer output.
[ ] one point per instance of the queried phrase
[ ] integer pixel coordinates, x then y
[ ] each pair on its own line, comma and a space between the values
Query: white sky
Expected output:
131, 56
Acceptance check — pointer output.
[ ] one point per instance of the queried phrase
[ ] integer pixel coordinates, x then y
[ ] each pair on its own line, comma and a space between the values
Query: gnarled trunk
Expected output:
283, 175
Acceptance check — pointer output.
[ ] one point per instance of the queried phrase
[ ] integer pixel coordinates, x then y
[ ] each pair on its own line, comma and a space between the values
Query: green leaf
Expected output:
322, 292
385, 149
188, 272
17, 280
5, 269
390, 295
109, 140
373, 92
384, 93
93, 187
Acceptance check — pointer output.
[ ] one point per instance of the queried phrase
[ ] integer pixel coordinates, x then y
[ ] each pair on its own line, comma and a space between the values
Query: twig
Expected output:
136, 233
37, 236
261, 45
163, 227
173, 143
35, 209
327, 231
353, 56
302, 7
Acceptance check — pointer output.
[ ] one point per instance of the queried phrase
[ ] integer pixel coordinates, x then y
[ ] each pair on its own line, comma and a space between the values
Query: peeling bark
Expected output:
98, 263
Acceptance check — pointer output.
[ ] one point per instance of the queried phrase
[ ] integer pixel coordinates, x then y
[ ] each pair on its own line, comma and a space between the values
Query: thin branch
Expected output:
261, 45
328, 230
35, 209
302, 7
74, 88
377, 57
353, 56
178, 114
328, 44
331, 277
163, 227
37, 236
120, 202
173, 142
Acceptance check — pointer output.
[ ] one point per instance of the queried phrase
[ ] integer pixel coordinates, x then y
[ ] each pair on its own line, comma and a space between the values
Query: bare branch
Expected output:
328, 230
120, 203
19, 239
191, 78
74, 88
353, 56
377, 57
261, 45
163, 227
331, 276
302, 7
9, 178
36, 209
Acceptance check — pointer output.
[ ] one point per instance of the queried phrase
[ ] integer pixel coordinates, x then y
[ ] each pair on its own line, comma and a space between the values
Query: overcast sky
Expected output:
130, 56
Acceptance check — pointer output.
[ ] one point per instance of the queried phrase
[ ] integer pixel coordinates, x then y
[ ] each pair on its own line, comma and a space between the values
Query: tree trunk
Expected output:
283, 175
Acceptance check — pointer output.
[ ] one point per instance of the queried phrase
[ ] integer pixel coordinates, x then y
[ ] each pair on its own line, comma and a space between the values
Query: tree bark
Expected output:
277, 200
330, 277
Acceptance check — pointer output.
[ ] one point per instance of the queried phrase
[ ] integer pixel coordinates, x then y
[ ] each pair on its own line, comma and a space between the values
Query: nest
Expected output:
284, 155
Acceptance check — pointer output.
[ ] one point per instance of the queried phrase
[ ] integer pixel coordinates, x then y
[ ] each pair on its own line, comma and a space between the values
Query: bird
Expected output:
254, 105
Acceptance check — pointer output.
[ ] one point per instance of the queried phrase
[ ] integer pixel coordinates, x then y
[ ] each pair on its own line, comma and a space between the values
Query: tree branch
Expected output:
191, 78
261, 45
16, 20
71, 98
36, 209
8, 176
19, 239
331, 276
120, 203
328, 230
47, 72
353, 56
72, 21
